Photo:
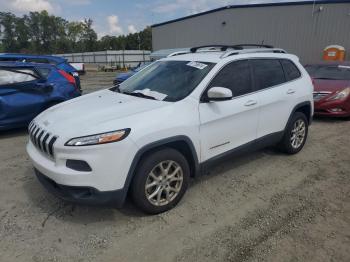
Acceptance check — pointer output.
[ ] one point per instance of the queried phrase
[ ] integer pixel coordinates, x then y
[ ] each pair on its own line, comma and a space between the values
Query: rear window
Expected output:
12, 76
268, 73
331, 72
290, 69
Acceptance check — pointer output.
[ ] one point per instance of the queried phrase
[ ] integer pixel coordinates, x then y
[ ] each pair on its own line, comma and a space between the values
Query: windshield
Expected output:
167, 80
332, 72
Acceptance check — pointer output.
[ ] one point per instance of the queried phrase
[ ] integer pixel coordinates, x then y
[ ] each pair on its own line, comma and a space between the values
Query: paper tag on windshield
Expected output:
343, 66
197, 65
157, 95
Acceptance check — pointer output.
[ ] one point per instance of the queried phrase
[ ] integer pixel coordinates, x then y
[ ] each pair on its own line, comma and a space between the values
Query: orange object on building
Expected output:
334, 53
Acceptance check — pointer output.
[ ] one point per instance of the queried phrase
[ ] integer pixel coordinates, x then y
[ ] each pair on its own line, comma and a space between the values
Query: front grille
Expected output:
42, 139
320, 95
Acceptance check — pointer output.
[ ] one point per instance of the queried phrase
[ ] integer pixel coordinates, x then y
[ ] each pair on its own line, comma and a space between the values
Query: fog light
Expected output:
336, 110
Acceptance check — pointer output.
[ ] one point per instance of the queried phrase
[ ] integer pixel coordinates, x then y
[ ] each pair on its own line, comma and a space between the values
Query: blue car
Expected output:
26, 89
59, 62
121, 77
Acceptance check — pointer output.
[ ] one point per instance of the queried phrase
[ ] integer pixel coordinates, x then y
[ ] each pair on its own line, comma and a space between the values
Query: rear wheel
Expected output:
295, 134
160, 181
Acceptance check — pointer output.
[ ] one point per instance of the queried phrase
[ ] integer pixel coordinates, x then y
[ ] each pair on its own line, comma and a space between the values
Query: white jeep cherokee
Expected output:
149, 135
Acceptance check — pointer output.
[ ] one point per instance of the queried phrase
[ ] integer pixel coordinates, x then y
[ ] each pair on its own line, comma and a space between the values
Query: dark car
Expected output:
26, 89
121, 77
331, 88
59, 62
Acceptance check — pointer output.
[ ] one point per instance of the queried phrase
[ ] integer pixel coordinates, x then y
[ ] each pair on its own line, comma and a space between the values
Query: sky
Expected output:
117, 17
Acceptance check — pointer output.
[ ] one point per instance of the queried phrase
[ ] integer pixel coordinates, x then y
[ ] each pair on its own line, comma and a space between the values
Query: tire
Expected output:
288, 144
171, 185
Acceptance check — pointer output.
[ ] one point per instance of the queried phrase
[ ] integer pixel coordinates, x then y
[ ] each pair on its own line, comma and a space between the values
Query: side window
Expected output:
235, 76
44, 71
16, 76
290, 69
268, 73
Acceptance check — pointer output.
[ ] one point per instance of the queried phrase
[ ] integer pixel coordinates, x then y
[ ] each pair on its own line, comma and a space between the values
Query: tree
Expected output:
8, 22
88, 36
39, 32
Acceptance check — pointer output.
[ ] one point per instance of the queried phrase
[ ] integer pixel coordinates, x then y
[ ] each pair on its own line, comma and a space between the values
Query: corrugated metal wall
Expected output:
304, 30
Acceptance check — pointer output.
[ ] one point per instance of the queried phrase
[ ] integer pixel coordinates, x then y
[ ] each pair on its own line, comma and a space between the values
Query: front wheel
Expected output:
295, 134
160, 181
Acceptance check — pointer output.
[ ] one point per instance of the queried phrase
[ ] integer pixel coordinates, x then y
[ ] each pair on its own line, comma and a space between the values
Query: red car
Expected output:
331, 88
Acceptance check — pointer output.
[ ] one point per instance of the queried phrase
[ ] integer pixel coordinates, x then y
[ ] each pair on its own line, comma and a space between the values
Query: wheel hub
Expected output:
164, 183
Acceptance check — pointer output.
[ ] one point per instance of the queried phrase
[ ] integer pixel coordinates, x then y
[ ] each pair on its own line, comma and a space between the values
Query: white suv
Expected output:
149, 135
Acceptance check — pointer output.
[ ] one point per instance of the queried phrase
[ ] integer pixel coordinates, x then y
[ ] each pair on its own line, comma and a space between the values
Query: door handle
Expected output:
290, 91
251, 103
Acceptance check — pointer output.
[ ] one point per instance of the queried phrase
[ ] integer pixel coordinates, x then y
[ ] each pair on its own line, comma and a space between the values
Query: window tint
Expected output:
16, 76
291, 71
44, 72
235, 76
331, 72
268, 73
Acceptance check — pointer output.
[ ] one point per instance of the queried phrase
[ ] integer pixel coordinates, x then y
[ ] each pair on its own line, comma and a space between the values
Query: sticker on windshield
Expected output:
148, 92
343, 66
197, 65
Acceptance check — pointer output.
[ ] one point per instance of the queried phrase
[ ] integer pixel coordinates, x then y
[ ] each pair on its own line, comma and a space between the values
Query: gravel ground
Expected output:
265, 206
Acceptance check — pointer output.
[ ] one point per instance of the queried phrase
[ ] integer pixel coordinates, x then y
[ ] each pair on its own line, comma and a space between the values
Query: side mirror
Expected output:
219, 94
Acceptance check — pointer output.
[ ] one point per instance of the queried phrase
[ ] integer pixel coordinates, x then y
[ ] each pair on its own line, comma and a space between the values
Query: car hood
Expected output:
93, 112
326, 85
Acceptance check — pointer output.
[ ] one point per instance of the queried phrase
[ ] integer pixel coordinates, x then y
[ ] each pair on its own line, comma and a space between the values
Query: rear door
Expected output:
276, 91
22, 95
226, 125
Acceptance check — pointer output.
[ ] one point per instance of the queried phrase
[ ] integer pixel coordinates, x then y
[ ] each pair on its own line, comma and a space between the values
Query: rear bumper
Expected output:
82, 195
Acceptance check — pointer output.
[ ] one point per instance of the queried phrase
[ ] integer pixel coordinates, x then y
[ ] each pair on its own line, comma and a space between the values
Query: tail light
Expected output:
69, 78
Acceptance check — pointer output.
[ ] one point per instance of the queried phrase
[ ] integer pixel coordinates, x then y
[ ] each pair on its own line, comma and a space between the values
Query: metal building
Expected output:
303, 28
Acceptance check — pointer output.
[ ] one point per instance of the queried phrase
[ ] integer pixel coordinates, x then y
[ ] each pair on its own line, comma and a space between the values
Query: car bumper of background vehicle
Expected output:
333, 108
82, 195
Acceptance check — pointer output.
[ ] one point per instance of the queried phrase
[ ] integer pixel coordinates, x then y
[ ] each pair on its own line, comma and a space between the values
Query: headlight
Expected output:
103, 138
341, 95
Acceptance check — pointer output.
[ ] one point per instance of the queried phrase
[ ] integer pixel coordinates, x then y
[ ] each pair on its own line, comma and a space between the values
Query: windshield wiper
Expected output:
139, 95
115, 88
325, 78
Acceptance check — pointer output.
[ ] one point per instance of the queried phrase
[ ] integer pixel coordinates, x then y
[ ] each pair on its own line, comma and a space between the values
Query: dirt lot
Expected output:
265, 206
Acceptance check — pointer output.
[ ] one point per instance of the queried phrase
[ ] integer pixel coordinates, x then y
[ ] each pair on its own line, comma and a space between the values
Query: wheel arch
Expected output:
181, 143
305, 108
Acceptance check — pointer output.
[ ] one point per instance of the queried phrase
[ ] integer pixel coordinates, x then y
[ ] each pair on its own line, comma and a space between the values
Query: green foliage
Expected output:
39, 32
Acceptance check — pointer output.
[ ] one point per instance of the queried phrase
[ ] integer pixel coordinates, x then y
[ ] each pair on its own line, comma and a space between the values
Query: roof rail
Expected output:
222, 47
252, 45
253, 50
178, 53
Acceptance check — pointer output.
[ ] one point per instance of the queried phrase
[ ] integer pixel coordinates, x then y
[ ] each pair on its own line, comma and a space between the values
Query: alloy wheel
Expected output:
298, 134
164, 183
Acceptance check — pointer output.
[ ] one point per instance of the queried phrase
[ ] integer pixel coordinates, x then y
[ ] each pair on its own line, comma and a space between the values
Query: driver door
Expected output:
226, 125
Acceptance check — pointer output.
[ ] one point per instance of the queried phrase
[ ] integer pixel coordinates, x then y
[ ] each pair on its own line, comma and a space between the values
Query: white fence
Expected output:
122, 58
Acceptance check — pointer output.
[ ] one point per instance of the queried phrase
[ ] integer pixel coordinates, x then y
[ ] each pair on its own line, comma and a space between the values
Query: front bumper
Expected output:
82, 195
105, 182
336, 108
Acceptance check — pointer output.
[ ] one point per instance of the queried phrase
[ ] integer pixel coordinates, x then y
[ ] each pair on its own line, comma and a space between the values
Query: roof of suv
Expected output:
213, 55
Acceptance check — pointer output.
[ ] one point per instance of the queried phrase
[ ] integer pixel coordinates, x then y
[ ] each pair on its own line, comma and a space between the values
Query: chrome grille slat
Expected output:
44, 142
39, 139
42, 139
